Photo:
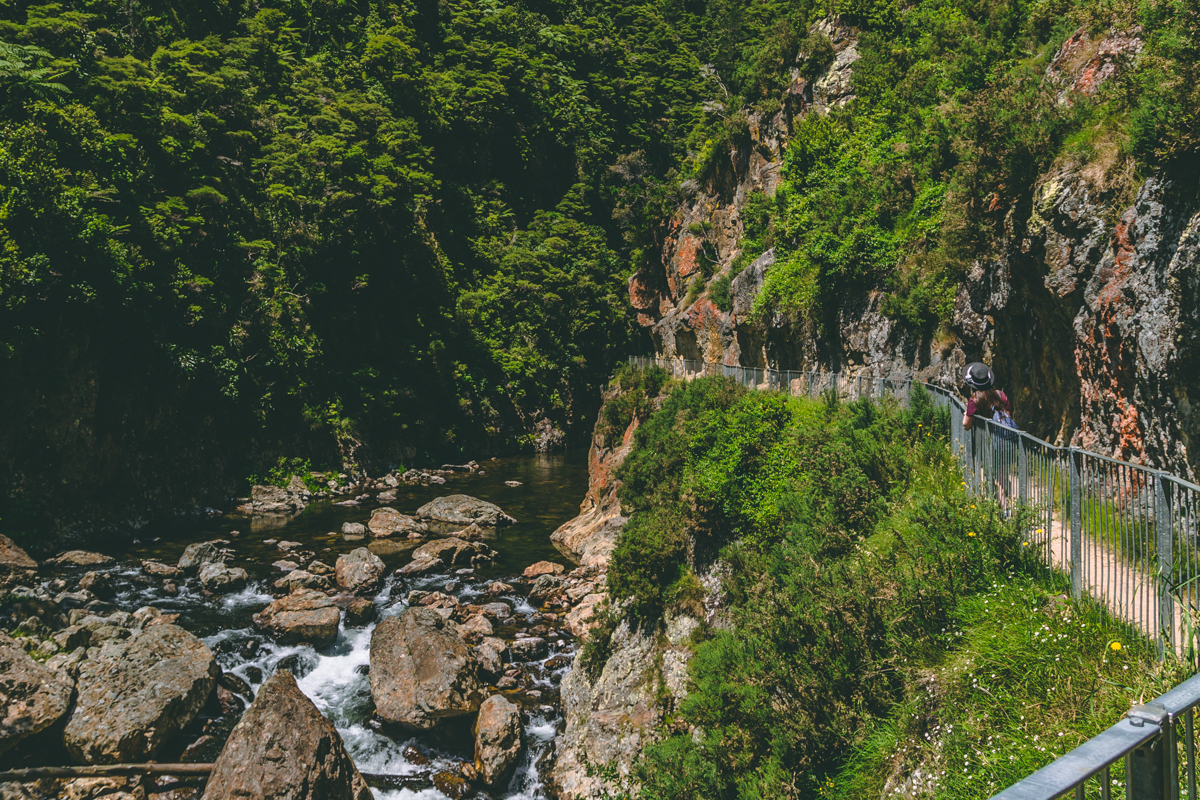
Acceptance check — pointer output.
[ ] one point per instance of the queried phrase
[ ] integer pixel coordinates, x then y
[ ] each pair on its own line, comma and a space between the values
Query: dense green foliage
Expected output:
870, 599
954, 120
297, 229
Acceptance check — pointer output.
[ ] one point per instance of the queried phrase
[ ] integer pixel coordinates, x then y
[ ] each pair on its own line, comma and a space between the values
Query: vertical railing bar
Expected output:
1076, 525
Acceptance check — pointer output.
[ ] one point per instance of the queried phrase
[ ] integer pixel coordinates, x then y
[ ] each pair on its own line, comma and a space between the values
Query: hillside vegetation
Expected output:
368, 232
878, 630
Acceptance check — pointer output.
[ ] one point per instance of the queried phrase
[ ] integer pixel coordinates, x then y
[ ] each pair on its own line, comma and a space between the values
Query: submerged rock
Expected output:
283, 748
498, 739
32, 697
359, 571
303, 616
422, 671
462, 509
135, 695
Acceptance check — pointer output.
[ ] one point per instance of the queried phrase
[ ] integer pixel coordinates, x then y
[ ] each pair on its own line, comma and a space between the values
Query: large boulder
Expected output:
137, 694
197, 555
358, 571
303, 616
462, 509
283, 748
422, 671
218, 578
498, 739
32, 697
387, 521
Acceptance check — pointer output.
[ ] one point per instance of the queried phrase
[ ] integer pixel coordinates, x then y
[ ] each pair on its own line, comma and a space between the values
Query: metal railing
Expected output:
1127, 536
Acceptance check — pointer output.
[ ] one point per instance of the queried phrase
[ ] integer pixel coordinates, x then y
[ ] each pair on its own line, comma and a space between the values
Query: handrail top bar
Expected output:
951, 396
1182, 697
1068, 771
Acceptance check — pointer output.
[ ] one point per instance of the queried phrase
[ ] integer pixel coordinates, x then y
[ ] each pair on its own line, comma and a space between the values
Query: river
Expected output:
335, 677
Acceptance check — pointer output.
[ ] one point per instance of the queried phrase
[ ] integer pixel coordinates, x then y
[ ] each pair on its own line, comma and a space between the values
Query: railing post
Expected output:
1074, 457
1165, 542
1146, 768
1022, 470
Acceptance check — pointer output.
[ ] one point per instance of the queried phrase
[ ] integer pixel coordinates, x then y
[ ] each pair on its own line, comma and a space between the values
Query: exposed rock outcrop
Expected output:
422, 671
218, 578
283, 748
135, 695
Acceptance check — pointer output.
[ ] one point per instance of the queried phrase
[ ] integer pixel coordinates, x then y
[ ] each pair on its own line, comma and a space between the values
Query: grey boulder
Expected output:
283, 748
137, 694
358, 571
422, 671
218, 578
197, 555
303, 616
32, 697
462, 509
498, 739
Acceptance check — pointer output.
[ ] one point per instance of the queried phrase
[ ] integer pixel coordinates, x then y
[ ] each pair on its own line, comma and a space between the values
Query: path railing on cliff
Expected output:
1127, 535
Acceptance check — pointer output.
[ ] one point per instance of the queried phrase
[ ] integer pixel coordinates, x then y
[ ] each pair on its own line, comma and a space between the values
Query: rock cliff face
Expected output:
1088, 307
610, 716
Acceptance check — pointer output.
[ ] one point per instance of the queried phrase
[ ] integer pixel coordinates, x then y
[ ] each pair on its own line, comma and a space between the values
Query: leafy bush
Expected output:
848, 543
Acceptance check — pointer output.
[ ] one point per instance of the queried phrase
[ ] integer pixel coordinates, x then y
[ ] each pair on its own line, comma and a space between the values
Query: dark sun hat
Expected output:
979, 376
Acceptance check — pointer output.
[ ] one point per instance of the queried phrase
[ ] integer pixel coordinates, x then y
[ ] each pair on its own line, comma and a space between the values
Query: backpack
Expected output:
1005, 420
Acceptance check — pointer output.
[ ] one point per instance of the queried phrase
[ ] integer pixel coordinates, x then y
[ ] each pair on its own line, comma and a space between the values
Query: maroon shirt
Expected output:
973, 409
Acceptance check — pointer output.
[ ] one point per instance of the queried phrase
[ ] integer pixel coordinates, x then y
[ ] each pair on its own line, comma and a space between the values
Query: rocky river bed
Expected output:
431, 626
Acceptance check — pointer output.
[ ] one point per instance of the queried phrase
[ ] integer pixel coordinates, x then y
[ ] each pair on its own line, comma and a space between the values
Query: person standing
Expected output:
986, 400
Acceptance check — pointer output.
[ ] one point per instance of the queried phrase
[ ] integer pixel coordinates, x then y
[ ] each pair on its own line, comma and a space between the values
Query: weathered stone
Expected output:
461, 509
545, 587
490, 653
32, 697
543, 568
359, 571
277, 499
497, 610
134, 696
13, 558
197, 555
320, 568
218, 578
354, 531
359, 611
498, 739
303, 616
421, 566
301, 579
451, 551
81, 558
422, 671
161, 570
285, 565
283, 748
579, 619
530, 649
477, 625
387, 521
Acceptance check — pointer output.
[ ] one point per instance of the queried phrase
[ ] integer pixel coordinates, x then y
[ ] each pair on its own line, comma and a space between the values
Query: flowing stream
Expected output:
335, 677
